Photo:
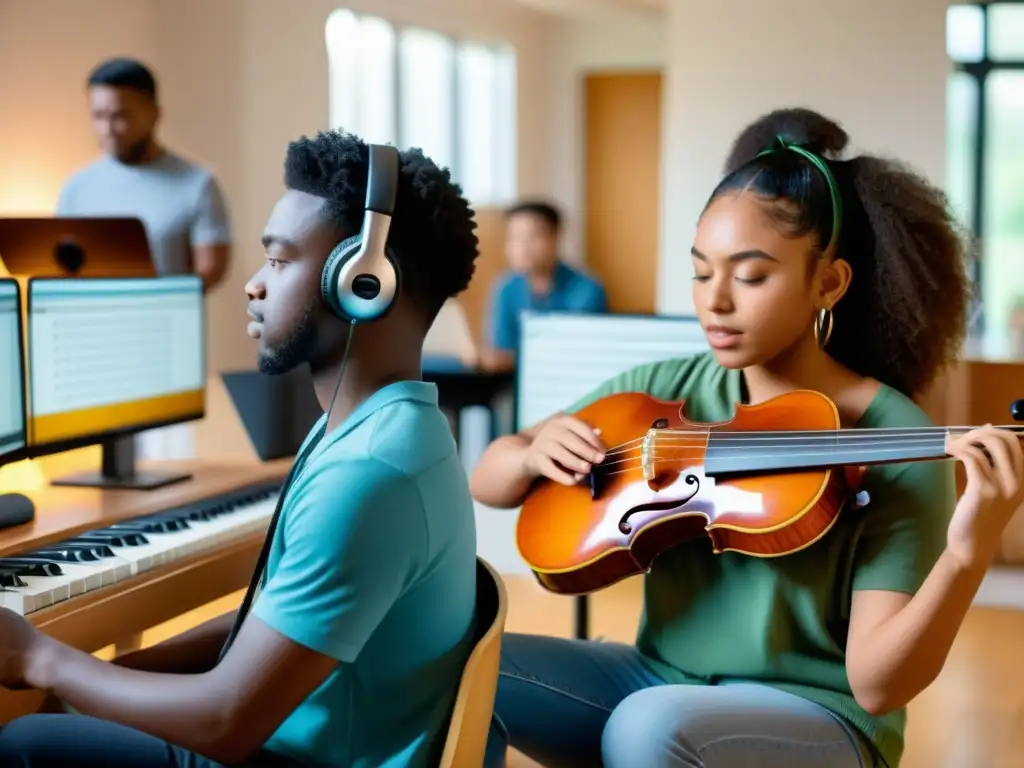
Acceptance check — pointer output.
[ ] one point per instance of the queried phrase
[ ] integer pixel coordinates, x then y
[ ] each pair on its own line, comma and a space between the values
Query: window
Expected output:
985, 156
414, 87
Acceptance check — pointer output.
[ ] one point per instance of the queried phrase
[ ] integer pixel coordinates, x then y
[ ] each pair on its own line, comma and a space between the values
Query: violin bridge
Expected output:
647, 454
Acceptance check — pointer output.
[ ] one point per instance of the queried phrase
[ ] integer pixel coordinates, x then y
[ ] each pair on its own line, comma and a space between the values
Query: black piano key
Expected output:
111, 538
28, 566
76, 553
10, 578
149, 525
183, 515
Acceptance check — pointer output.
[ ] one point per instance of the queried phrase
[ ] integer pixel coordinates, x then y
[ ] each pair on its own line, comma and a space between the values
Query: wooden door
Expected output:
622, 116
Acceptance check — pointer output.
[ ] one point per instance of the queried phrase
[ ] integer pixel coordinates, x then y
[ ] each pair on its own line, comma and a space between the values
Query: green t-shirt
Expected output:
783, 621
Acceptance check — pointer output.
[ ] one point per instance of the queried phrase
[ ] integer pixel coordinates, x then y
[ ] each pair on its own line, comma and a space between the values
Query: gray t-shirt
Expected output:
180, 204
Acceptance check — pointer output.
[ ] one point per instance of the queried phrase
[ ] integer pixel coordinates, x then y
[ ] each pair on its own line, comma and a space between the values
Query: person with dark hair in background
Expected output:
179, 202
538, 280
350, 645
842, 276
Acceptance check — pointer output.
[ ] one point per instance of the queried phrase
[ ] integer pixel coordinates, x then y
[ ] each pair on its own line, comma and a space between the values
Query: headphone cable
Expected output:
261, 563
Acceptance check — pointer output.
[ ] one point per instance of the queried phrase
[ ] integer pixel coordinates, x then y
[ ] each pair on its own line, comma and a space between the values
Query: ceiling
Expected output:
594, 7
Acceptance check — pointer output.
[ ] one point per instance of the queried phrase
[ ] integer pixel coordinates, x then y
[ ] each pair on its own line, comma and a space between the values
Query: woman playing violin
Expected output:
810, 272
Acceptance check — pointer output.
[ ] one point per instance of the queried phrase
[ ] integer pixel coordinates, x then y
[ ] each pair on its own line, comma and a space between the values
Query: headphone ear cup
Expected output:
342, 252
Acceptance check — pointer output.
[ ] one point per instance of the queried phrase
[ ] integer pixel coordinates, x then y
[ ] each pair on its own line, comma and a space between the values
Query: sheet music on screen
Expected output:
111, 353
564, 356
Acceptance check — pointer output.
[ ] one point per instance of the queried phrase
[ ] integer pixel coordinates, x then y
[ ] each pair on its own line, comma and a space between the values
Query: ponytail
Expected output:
904, 316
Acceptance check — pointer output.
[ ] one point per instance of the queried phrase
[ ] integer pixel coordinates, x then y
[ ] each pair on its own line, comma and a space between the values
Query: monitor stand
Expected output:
117, 470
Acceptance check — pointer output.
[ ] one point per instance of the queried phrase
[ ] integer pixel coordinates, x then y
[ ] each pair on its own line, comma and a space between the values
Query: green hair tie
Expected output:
830, 179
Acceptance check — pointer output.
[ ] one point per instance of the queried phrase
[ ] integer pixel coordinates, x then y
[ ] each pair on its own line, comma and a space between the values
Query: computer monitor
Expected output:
41, 246
562, 356
12, 375
109, 357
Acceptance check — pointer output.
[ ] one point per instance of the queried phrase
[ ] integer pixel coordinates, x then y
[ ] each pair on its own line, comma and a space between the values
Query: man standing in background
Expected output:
180, 203
538, 280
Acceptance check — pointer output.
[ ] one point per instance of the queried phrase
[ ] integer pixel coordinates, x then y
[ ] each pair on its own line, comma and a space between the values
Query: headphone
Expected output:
360, 279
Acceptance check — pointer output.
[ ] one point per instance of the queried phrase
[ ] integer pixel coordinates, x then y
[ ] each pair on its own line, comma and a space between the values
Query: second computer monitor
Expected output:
12, 391
109, 357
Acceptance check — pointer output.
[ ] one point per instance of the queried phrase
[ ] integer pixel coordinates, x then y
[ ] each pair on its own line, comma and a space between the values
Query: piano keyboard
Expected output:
37, 579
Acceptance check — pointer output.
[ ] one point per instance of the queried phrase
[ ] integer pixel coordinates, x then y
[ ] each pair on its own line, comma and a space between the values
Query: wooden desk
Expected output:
105, 616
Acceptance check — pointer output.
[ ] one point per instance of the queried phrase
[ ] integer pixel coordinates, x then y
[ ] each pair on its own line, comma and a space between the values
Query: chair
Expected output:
474, 703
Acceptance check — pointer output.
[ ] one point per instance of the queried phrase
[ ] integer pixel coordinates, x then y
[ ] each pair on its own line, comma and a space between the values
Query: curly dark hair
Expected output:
904, 316
432, 233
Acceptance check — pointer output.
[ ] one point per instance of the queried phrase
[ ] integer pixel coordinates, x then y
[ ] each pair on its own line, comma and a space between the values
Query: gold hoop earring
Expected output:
823, 327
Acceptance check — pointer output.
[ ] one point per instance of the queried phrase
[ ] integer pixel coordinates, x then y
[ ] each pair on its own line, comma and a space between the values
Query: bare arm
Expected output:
226, 714
897, 644
500, 479
210, 262
562, 448
191, 652
498, 360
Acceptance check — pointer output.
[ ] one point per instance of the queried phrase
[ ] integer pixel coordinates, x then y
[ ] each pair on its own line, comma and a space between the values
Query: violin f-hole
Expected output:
625, 526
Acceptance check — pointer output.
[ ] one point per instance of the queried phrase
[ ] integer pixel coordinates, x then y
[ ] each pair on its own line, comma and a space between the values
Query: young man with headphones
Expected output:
350, 643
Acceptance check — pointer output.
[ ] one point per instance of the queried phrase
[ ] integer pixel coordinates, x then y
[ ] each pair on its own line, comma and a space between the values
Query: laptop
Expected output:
44, 246
276, 411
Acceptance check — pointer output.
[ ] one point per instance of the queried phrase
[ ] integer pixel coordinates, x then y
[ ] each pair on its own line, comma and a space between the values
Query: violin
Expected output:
770, 481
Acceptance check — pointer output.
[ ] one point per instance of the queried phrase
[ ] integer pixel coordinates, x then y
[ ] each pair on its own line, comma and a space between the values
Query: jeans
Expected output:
573, 703
78, 741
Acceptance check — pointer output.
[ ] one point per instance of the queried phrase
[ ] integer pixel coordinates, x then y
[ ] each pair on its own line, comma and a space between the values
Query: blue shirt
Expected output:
373, 563
571, 291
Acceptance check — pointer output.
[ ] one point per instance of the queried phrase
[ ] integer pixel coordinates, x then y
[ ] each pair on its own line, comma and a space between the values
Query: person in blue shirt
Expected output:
357, 632
537, 280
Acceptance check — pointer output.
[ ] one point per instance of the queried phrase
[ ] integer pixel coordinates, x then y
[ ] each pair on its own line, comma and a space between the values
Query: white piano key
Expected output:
79, 578
76, 579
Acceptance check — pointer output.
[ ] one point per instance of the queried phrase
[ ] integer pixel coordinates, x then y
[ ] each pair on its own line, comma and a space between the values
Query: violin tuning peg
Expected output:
1017, 410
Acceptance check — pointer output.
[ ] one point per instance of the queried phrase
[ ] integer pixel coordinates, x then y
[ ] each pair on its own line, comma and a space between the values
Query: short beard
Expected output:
133, 155
296, 350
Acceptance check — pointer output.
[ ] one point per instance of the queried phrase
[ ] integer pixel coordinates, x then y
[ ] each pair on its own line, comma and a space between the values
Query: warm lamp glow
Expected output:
22, 476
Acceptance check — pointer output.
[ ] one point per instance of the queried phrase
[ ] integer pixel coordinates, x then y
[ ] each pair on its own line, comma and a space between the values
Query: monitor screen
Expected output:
12, 381
113, 355
562, 357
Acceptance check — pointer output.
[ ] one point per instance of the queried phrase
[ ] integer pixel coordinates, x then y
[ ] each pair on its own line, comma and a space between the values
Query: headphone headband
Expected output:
382, 180
360, 279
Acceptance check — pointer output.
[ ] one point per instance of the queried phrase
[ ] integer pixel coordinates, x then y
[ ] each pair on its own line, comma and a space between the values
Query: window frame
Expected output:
979, 72
497, 49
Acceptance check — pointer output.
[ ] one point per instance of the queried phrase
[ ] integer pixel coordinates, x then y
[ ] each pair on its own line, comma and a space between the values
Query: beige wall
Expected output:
621, 41
878, 66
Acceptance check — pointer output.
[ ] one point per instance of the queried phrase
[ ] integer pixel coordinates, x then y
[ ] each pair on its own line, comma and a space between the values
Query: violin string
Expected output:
636, 462
698, 453
815, 437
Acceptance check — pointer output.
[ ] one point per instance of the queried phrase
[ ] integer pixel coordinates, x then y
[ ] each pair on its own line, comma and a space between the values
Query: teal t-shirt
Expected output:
718, 618
373, 563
